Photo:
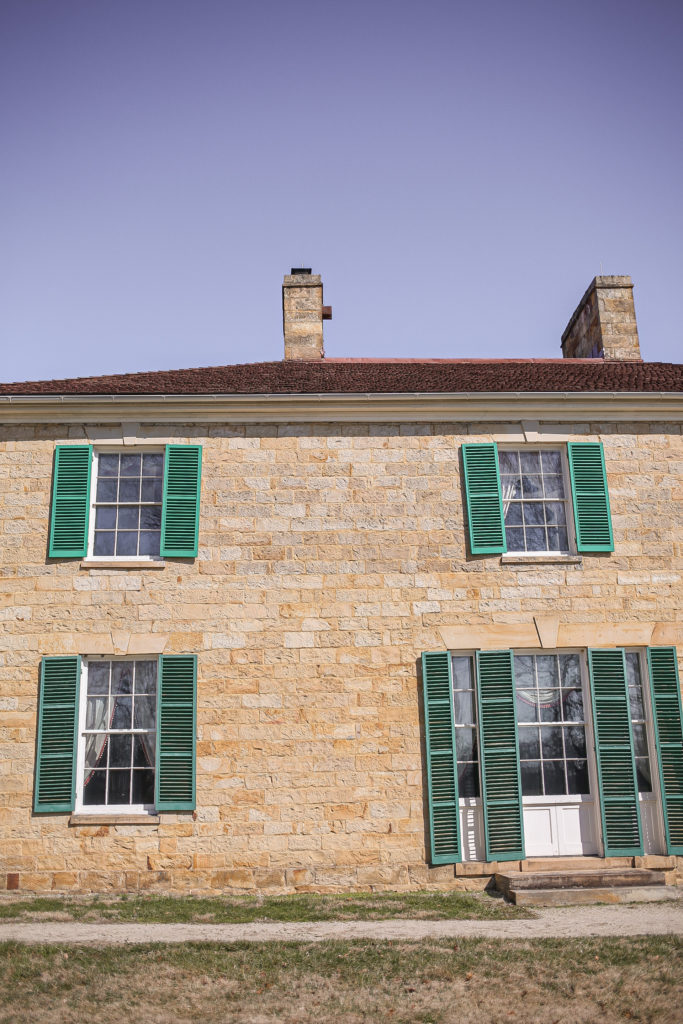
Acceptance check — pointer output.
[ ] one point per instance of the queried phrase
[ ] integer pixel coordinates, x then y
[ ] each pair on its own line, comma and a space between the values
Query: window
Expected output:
534, 496
465, 726
551, 724
117, 735
127, 504
638, 721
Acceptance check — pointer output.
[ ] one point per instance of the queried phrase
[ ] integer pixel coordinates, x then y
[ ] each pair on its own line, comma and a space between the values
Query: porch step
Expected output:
605, 878
577, 897
554, 864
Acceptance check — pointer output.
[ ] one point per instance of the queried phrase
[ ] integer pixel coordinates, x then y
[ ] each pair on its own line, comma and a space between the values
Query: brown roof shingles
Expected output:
379, 376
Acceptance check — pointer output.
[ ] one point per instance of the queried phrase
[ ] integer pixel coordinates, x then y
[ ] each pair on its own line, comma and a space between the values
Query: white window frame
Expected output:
114, 810
118, 450
560, 447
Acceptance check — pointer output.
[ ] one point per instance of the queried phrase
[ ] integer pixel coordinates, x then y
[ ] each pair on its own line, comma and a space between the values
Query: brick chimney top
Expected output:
603, 325
303, 314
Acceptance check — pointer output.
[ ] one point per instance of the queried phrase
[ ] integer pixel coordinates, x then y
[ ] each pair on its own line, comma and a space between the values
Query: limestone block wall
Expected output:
330, 557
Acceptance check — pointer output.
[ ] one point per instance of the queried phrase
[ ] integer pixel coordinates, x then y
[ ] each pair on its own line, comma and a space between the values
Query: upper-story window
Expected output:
534, 492
127, 504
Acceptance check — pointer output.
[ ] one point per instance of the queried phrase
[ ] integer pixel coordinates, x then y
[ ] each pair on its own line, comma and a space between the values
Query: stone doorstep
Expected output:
582, 897
608, 878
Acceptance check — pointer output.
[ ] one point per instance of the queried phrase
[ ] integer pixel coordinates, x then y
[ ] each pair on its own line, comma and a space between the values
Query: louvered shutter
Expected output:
499, 756
180, 510
55, 781
176, 732
592, 516
70, 501
484, 499
442, 776
621, 832
666, 705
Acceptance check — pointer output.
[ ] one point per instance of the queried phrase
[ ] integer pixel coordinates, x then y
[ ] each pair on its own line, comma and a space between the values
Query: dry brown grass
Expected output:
476, 981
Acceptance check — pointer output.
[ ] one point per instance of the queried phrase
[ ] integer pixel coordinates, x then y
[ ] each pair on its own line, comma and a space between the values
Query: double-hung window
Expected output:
534, 500
128, 491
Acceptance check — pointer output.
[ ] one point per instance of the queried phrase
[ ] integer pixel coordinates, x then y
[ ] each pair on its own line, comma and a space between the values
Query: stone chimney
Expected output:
303, 314
603, 325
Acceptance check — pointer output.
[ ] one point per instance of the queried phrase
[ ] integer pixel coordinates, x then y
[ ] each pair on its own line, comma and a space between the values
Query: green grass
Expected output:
471, 981
244, 909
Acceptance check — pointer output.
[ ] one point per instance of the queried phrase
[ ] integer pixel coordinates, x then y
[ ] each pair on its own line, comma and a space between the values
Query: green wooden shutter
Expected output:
442, 775
70, 501
55, 782
176, 732
619, 808
180, 510
484, 499
590, 496
666, 706
499, 756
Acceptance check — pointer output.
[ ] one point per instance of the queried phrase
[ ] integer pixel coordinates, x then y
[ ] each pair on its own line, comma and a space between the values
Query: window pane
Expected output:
535, 539
150, 542
468, 780
527, 705
96, 751
130, 465
105, 518
558, 539
121, 716
551, 742
515, 539
143, 751
531, 778
511, 487
533, 513
553, 778
508, 462
144, 712
553, 486
129, 518
107, 465
143, 787
106, 489
513, 516
546, 670
550, 706
127, 543
529, 744
152, 465
145, 676
532, 486
98, 676
122, 677
577, 777
104, 543
635, 696
94, 788
643, 775
465, 745
570, 672
555, 513
551, 462
639, 741
530, 462
572, 705
97, 713
120, 748
150, 518
464, 707
119, 787
129, 489
524, 671
575, 741
633, 669
151, 489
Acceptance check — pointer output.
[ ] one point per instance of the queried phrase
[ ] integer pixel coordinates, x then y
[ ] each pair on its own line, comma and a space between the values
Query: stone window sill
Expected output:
121, 563
522, 559
114, 819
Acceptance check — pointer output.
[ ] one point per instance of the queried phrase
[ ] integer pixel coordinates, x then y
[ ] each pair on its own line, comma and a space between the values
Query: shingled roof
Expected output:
378, 376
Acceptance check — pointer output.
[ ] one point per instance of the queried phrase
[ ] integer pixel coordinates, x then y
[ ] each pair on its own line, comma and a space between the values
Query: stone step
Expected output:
606, 878
534, 864
580, 897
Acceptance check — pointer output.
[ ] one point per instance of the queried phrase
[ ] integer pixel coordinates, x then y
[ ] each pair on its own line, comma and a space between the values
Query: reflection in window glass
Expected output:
551, 724
534, 500
465, 726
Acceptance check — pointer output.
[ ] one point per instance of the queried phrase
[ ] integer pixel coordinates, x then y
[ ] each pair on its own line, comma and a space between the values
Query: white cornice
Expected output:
556, 407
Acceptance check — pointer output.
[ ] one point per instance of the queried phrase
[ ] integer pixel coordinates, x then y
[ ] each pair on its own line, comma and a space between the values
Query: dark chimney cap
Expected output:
301, 270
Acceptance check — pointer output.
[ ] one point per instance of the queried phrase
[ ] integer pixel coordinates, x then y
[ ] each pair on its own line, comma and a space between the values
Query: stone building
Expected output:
343, 623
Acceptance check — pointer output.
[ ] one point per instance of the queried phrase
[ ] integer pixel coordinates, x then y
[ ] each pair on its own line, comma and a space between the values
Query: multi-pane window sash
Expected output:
464, 703
118, 735
638, 722
127, 504
534, 496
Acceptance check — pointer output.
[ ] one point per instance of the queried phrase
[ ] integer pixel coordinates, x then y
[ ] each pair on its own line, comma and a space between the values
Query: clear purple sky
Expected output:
457, 172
